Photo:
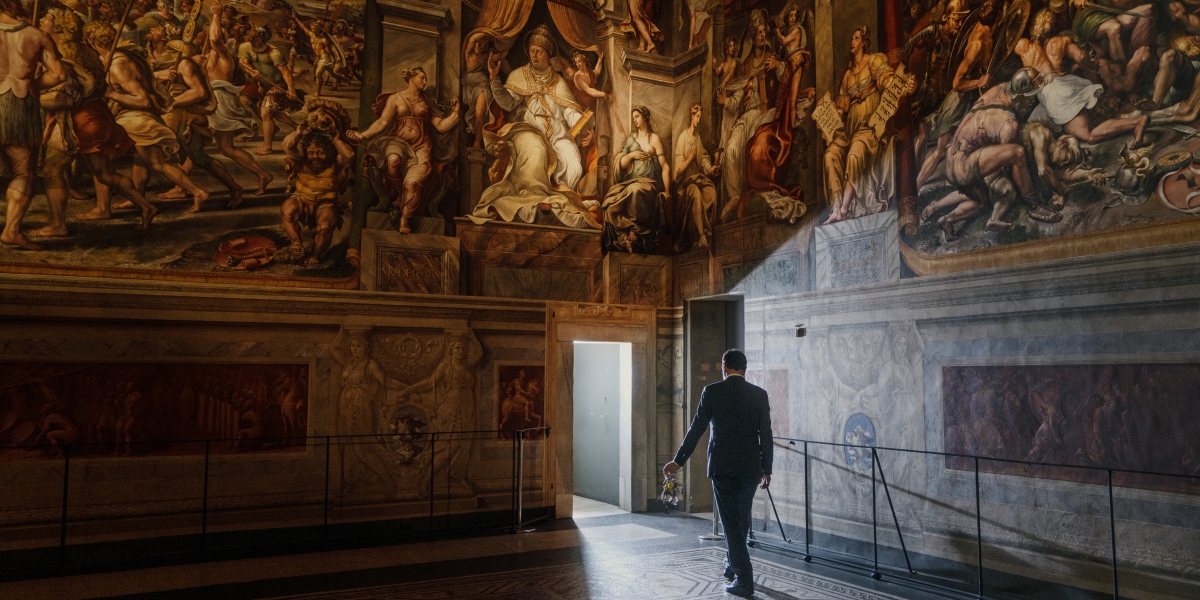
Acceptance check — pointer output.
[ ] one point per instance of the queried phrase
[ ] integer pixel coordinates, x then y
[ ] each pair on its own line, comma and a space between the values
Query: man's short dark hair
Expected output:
734, 359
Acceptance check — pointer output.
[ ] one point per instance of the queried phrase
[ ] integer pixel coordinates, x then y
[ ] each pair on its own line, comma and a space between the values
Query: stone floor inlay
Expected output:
668, 576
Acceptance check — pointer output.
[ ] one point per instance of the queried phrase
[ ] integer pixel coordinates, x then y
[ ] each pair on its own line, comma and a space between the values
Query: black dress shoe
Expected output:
741, 589
729, 573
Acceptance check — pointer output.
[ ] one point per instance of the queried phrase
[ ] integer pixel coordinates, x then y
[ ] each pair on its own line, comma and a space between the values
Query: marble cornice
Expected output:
662, 68
65, 297
419, 12
673, 313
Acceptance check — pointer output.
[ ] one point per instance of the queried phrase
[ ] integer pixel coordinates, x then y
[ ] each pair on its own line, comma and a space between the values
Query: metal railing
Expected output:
877, 474
519, 522
434, 442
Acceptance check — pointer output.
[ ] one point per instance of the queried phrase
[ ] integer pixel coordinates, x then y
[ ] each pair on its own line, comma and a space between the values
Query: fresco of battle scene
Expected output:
183, 137
1125, 416
989, 123
116, 410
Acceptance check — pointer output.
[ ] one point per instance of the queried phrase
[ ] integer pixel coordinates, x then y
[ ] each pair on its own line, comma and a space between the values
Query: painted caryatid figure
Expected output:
633, 207
448, 395
538, 163
365, 460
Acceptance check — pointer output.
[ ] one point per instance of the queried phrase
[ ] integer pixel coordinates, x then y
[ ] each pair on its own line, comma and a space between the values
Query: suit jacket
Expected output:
741, 443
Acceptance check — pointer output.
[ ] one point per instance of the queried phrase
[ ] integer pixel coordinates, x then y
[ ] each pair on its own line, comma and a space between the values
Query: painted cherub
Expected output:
789, 30
478, 51
584, 79
725, 69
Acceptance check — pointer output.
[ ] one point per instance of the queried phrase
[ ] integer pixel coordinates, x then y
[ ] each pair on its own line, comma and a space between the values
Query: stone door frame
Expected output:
567, 323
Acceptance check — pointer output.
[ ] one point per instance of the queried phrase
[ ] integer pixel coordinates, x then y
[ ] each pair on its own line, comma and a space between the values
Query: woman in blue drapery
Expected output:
633, 208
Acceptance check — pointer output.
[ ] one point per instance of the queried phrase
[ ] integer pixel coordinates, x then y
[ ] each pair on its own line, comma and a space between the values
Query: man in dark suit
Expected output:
739, 458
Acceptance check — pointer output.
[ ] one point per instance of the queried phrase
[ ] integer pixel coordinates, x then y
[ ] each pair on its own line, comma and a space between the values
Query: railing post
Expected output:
516, 520
204, 500
888, 493
807, 510
778, 522
716, 535
978, 534
432, 464
1112, 535
62, 529
520, 478
325, 507
874, 521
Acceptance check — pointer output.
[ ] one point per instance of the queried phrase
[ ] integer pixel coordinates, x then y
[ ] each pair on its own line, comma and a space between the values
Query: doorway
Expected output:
603, 407
636, 326
712, 326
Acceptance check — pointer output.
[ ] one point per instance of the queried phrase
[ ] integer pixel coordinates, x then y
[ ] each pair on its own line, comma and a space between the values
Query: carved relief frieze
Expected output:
402, 393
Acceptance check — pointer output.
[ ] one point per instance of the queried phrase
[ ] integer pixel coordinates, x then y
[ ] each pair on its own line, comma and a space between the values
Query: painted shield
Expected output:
1008, 32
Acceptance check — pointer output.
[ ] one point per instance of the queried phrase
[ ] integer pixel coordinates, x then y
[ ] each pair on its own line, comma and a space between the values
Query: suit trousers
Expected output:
735, 497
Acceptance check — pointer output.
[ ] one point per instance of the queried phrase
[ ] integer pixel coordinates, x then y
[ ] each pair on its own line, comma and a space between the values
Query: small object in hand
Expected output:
670, 493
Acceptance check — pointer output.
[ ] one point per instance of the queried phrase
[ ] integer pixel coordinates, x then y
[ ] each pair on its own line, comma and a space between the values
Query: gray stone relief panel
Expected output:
774, 276
858, 251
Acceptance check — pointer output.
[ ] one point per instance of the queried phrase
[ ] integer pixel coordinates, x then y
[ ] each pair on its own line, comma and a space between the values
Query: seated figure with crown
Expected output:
538, 163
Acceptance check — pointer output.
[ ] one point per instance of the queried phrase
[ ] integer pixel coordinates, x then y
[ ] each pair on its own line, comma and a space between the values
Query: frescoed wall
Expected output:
640, 127
205, 173
115, 409
1129, 416
1008, 132
964, 239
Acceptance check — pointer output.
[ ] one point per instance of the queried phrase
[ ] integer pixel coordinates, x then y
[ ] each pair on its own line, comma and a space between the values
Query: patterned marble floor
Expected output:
668, 576
603, 554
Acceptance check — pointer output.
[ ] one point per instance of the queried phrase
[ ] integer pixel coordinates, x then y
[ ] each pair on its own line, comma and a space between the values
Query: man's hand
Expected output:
765, 482
671, 468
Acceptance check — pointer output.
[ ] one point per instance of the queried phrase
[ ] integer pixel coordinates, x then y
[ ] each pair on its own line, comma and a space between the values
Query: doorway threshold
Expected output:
584, 508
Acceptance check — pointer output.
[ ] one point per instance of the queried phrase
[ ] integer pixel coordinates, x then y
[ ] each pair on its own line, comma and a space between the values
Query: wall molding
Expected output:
1106, 277
82, 298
